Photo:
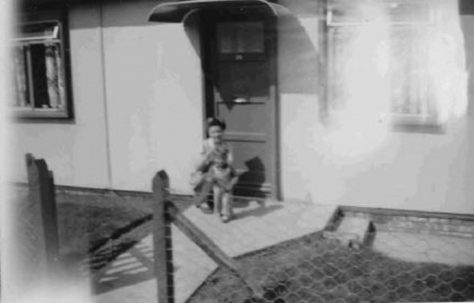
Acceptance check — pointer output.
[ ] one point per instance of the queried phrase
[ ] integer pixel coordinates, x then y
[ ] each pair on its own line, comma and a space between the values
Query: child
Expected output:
223, 178
212, 146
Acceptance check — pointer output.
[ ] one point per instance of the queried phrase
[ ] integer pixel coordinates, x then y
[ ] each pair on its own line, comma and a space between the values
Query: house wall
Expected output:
137, 99
153, 97
137, 94
74, 150
345, 156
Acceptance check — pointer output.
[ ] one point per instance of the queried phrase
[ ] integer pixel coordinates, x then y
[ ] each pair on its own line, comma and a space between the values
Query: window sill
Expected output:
416, 124
40, 114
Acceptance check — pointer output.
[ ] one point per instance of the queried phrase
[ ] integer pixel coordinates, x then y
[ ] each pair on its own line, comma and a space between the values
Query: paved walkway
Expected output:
256, 225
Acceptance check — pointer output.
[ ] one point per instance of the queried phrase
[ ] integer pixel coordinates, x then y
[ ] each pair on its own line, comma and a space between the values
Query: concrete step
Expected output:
353, 232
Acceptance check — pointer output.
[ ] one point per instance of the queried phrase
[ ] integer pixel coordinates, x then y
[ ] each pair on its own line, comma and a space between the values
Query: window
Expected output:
240, 40
39, 71
401, 36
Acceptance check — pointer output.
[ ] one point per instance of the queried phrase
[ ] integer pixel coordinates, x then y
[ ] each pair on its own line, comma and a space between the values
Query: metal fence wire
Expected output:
276, 252
358, 255
398, 264
290, 251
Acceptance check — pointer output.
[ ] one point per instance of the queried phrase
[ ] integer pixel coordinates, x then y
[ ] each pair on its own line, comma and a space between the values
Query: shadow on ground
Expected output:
130, 268
260, 211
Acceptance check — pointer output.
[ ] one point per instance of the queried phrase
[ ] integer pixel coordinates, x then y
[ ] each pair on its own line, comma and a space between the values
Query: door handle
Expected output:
241, 100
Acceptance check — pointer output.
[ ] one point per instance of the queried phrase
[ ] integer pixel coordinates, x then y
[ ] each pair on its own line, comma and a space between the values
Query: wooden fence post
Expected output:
39, 218
162, 239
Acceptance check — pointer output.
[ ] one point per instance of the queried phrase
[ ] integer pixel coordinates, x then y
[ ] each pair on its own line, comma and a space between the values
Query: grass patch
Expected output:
97, 227
85, 229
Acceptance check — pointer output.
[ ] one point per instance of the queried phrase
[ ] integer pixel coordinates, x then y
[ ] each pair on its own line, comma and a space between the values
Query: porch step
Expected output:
353, 232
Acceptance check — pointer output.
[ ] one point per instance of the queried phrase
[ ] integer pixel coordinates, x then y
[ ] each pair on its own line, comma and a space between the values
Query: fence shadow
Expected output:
260, 211
131, 268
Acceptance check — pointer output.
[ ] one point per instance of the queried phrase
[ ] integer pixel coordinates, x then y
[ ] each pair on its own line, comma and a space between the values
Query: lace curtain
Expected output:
50, 72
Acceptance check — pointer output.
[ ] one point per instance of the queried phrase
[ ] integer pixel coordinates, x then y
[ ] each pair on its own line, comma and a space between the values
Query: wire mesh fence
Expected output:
297, 253
316, 269
287, 252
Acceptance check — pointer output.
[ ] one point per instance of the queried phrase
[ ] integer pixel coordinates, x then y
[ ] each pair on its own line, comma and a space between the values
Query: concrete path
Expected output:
256, 225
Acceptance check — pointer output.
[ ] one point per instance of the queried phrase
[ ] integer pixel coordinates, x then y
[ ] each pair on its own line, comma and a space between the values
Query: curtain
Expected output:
20, 79
59, 66
410, 49
411, 87
52, 75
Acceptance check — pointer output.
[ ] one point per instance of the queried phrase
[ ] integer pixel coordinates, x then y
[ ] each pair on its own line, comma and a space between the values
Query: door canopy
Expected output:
176, 11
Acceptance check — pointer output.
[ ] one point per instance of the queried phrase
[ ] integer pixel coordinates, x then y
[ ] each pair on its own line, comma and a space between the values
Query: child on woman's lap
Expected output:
223, 178
214, 170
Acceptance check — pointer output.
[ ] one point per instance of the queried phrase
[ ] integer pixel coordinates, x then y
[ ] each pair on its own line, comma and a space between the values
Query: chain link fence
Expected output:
398, 257
291, 251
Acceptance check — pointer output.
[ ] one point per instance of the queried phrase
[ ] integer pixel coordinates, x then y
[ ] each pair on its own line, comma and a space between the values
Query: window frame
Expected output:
332, 27
32, 112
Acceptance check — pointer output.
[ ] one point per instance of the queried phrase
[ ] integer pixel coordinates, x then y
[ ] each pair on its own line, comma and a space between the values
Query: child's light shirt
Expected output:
209, 146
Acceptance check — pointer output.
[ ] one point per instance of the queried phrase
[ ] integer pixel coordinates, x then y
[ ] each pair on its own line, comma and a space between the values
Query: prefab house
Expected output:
360, 102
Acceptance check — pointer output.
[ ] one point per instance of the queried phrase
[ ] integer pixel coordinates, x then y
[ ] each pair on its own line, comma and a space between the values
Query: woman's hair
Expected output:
213, 121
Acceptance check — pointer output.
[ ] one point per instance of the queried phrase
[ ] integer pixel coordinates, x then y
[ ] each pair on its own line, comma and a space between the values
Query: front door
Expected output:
239, 52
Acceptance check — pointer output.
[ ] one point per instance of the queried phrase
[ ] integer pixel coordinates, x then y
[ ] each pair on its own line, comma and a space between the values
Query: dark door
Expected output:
239, 54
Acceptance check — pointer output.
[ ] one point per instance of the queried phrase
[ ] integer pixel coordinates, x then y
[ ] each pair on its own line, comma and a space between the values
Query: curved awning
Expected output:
176, 11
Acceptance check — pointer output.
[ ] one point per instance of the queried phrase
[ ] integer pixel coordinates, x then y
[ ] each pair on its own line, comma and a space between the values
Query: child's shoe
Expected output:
225, 218
205, 208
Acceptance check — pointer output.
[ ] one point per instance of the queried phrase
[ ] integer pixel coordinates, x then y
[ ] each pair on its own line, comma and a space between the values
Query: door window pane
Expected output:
240, 37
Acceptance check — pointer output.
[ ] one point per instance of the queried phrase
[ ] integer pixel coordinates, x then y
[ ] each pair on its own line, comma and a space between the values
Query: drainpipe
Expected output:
104, 97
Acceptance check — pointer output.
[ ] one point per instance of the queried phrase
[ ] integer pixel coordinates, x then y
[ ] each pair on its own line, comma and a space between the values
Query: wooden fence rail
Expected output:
165, 212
